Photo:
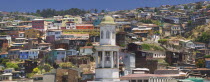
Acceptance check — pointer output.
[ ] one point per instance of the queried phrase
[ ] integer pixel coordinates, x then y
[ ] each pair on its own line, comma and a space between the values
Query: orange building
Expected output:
84, 26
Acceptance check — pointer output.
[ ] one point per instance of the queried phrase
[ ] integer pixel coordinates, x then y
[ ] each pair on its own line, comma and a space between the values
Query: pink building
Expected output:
39, 24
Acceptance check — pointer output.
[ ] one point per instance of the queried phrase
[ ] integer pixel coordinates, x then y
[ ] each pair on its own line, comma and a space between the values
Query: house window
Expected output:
133, 80
139, 80
100, 56
107, 34
107, 56
63, 52
113, 34
102, 34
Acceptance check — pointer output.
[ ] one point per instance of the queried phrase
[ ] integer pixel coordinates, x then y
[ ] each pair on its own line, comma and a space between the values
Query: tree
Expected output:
156, 10
200, 63
208, 7
198, 6
3, 33
185, 7
207, 56
36, 70
95, 10
140, 9
173, 7
89, 44
102, 11
67, 65
3, 61
38, 11
47, 67
52, 12
12, 65
205, 38
162, 41
189, 23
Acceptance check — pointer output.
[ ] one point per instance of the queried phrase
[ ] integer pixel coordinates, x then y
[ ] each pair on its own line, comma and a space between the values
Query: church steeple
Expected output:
107, 54
107, 31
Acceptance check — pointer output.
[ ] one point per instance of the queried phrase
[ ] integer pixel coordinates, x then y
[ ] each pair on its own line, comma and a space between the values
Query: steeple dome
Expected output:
107, 20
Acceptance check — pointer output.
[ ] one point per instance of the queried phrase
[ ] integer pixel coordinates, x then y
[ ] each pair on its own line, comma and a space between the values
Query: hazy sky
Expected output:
33, 5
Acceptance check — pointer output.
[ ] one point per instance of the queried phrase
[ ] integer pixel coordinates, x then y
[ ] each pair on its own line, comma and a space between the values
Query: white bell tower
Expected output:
107, 54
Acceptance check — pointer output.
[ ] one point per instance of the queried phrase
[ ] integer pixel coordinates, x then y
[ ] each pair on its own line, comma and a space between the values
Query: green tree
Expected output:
173, 7
208, 6
3, 61
162, 41
95, 10
36, 70
139, 9
200, 63
198, 6
89, 44
12, 65
148, 21
189, 23
47, 67
185, 7
207, 56
205, 38
102, 11
3, 33
67, 65
156, 10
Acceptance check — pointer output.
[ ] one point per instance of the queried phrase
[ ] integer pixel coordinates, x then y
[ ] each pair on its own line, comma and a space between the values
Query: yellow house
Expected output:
68, 18
32, 33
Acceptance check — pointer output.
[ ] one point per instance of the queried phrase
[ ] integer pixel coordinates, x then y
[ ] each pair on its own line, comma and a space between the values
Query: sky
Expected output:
112, 5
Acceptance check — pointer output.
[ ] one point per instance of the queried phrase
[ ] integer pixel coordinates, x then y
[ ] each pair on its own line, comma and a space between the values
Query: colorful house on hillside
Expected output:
32, 33
84, 26
24, 54
207, 62
96, 22
13, 53
69, 18
86, 50
58, 55
3, 55
39, 24
53, 35
69, 25
33, 53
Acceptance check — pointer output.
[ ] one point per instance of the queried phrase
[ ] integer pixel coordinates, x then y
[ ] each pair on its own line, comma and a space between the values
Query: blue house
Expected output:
24, 54
96, 22
3, 55
207, 60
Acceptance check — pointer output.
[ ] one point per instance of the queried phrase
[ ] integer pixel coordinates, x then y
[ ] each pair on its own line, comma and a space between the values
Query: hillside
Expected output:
195, 33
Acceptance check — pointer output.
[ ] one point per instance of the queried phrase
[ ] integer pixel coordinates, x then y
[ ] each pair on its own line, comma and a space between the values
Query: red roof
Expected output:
70, 22
141, 75
87, 47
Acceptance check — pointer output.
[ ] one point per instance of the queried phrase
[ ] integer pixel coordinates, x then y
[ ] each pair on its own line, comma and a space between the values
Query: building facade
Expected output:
107, 54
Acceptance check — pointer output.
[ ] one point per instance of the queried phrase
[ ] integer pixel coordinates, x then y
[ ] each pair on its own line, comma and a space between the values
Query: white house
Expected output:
70, 25
71, 52
61, 54
56, 33
53, 26
147, 78
86, 50
7, 37
33, 53
176, 29
128, 61
156, 54
199, 45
